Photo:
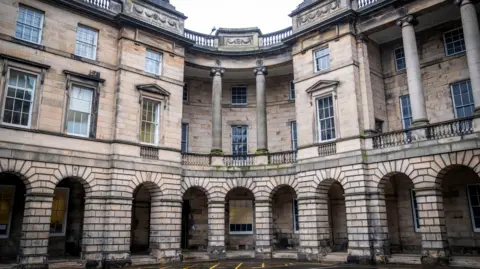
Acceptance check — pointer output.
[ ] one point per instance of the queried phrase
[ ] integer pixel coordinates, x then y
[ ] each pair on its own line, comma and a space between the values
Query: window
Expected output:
185, 93
296, 224
86, 45
79, 111
326, 118
293, 129
292, 90
29, 24
19, 98
240, 140
153, 62
58, 219
150, 121
416, 218
406, 111
462, 98
184, 137
474, 204
239, 95
322, 59
241, 216
7, 193
454, 42
400, 63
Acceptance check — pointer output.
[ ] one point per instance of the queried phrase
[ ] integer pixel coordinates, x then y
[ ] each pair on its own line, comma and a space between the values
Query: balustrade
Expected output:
99, 3
275, 37
201, 39
196, 159
236, 160
150, 153
326, 149
282, 157
364, 3
457, 127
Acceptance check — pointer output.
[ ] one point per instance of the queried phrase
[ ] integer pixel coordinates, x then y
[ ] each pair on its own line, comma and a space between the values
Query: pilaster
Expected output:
216, 230
314, 223
165, 229
263, 229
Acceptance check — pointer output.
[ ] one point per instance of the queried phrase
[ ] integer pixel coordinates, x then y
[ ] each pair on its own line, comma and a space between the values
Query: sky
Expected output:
268, 15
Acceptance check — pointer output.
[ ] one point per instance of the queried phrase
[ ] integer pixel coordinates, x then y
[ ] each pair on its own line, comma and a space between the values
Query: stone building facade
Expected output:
127, 139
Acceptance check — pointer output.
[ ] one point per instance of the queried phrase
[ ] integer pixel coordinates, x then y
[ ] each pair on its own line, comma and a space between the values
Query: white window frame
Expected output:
470, 208
186, 136
295, 230
396, 59
89, 114
157, 121
291, 96
39, 41
10, 211
185, 93
402, 112
64, 221
95, 45
231, 140
246, 95
160, 62
32, 102
316, 67
319, 139
453, 99
294, 135
445, 42
253, 214
414, 212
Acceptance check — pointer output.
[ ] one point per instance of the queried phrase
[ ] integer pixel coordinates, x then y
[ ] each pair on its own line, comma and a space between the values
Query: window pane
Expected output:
29, 24
59, 206
184, 137
79, 113
474, 202
406, 111
293, 126
322, 59
86, 44
239, 95
185, 92
150, 117
153, 61
7, 194
241, 215
400, 59
239, 140
19, 98
462, 99
326, 118
454, 41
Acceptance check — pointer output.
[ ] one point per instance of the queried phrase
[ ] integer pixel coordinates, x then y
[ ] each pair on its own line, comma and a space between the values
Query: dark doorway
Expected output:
185, 223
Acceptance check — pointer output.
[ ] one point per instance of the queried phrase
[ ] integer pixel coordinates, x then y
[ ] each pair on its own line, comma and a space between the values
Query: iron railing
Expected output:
149, 152
196, 159
201, 39
364, 3
282, 157
457, 127
99, 3
275, 38
326, 149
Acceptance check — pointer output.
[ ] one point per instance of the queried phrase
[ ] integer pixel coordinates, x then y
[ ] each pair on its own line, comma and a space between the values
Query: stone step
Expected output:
336, 257
241, 254
465, 261
65, 264
143, 260
291, 255
404, 258
195, 255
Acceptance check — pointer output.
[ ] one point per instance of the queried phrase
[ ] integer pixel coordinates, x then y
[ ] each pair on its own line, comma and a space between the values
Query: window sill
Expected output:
241, 233
38, 46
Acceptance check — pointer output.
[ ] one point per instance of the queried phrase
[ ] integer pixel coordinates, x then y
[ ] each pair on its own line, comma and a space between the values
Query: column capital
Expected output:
217, 71
260, 70
407, 20
462, 2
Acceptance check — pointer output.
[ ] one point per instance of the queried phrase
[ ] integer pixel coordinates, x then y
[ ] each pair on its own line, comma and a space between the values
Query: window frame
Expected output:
402, 112
186, 137
470, 209
396, 59
10, 213
64, 221
185, 93
40, 33
294, 135
90, 116
97, 33
159, 104
445, 42
291, 96
4, 96
231, 140
246, 96
295, 216
453, 98
415, 212
316, 67
252, 218
160, 62
319, 130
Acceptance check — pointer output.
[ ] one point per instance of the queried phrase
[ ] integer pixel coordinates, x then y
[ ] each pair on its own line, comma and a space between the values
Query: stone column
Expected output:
262, 144
377, 215
263, 229
35, 231
93, 227
365, 86
116, 231
360, 245
471, 34
216, 230
414, 76
165, 229
435, 248
217, 74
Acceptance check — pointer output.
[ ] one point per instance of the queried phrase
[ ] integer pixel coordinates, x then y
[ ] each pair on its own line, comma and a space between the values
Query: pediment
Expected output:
153, 88
322, 84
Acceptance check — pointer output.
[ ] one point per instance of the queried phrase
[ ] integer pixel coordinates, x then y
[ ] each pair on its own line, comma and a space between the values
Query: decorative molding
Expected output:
238, 41
261, 69
94, 75
322, 84
217, 71
407, 20
318, 13
157, 18
153, 88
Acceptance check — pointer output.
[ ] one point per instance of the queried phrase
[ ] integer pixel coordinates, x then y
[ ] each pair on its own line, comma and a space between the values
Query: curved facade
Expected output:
351, 136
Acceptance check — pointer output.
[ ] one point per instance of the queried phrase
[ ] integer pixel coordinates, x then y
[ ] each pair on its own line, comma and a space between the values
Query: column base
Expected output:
312, 254
432, 258
167, 255
32, 262
217, 253
263, 253
364, 260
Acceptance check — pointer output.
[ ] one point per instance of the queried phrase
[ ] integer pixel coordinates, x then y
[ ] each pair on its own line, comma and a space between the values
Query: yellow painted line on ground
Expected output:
238, 266
214, 266
191, 266
165, 267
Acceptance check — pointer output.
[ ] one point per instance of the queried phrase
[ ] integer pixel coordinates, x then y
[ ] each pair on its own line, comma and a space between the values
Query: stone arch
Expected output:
83, 174
386, 170
152, 181
446, 162
277, 182
325, 178
199, 183
20, 168
247, 183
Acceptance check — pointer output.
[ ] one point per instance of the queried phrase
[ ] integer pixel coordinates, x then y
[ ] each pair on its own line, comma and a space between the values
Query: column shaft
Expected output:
365, 86
217, 110
216, 230
262, 145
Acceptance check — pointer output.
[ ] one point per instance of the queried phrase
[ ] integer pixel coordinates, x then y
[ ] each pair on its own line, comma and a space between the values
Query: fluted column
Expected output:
217, 74
471, 34
414, 76
260, 73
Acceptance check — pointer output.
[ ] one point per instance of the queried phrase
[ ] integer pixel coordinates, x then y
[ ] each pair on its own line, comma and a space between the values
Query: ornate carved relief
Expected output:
239, 41
157, 18
318, 13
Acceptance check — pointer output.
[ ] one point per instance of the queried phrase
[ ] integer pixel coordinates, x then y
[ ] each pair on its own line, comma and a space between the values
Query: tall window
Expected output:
322, 59
185, 93
86, 45
184, 137
240, 140
454, 42
293, 129
296, 224
292, 90
29, 24
7, 194
462, 98
241, 216
474, 204
19, 98
415, 215
150, 121
239, 95
406, 111
153, 62
58, 219
326, 118
79, 111
400, 59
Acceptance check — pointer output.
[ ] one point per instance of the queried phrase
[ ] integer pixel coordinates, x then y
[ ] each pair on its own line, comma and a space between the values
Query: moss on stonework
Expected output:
261, 151
216, 152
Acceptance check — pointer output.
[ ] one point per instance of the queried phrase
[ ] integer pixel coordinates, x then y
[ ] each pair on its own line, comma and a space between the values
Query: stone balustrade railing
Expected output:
239, 160
326, 149
457, 127
282, 157
365, 3
275, 38
196, 159
202, 39
150, 153
99, 3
